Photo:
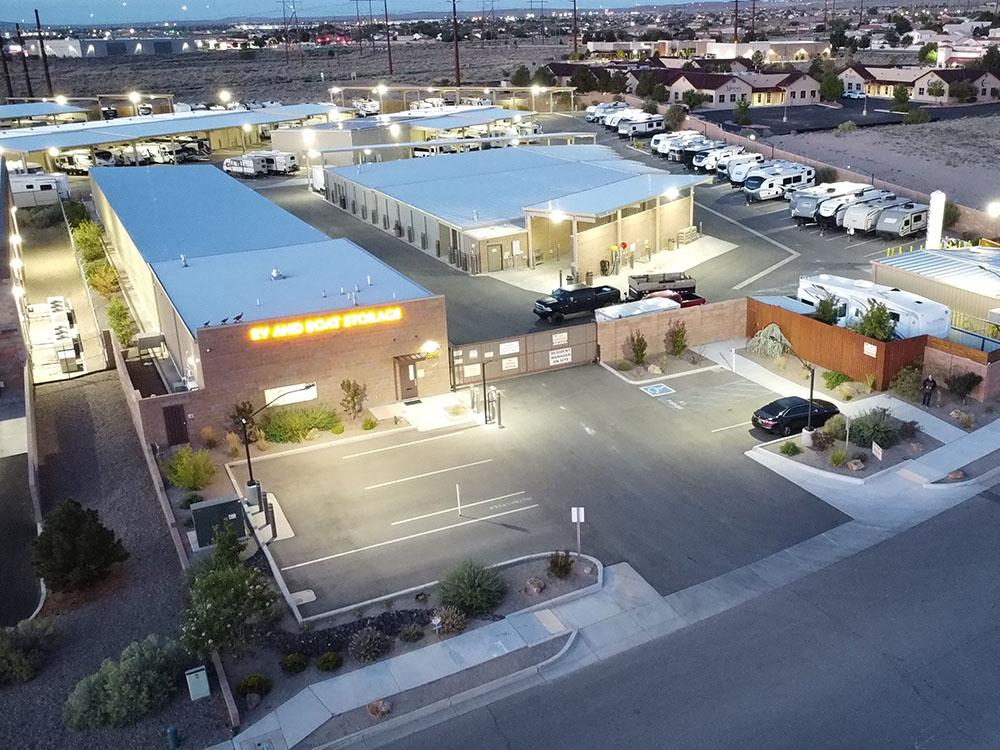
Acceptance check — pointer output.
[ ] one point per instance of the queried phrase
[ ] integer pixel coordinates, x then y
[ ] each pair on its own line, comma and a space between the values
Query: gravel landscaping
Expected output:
89, 451
659, 365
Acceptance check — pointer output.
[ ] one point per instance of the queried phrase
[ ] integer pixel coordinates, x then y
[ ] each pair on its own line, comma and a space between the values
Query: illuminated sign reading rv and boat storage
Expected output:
325, 324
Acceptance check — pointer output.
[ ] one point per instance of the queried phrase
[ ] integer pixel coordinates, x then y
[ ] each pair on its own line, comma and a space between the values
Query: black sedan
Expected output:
791, 414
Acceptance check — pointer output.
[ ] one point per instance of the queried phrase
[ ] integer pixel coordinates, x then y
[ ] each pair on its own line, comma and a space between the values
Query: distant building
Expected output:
726, 90
920, 81
101, 47
773, 51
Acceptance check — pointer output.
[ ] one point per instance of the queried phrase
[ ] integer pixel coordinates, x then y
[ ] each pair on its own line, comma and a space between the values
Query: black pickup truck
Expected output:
575, 298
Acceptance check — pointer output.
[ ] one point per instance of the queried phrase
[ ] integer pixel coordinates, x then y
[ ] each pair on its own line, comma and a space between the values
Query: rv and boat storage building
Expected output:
520, 207
250, 302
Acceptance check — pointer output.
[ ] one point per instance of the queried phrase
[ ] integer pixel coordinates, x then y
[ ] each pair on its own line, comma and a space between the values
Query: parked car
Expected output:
683, 298
573, 299
854, 94
791, 414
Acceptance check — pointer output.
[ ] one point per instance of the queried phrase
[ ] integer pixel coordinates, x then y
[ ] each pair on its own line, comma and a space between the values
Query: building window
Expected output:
813, 93
792, 94
732, 97
920, 92
768, 97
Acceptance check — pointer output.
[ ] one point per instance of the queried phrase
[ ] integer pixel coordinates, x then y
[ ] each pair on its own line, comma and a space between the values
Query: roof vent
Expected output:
184, 260
276, 275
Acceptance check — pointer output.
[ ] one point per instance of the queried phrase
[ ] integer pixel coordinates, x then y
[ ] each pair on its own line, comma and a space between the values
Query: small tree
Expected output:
676, 339
644, 85
928, 54
227, 606
952, 214
24, 649
660, 93
916, 116
693, 99
521, 76
826, 310
675, 117
355, 394
963, 384
227, 546
877, 323
963, 91
189, 469
243, 411
741, 113
831, 88
637, 345
900, 99
544, 77
74, 549
935, 89
757, 59
121, 323
650, 107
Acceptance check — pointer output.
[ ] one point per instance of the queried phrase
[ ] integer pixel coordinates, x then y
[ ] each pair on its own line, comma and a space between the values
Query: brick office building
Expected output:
238, 300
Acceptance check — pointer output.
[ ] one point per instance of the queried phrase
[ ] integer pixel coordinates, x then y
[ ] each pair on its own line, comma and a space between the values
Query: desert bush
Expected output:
190, 499
370, 423
834, 378
846, 127
233, 443
967, 421
121, 323
474, 589
909, 429
560, 564
821, 440
89, 244
411, 633
877, 322
292, 424
121, 692
637, 345
790, 448
368, 644
825, 174
453, 619
208, 437
908, 383
42, 217
103, 278
676, 338
870, 382
294, 663
963, 384
838, 458
228, 546
836, 427
189, 469
226, 607
74, 549
952, 213
338, 429
826, 310
355, 395
329, 661
23, 649
256, 683
261, 441
624, 366
875, 425
76, 213
916, 116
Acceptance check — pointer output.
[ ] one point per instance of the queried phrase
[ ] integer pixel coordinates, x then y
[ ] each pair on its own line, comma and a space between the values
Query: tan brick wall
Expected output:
594, 245
719, 321
552, 241
944, 364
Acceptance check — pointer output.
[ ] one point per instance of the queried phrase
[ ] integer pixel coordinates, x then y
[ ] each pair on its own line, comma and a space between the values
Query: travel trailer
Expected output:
831, 212
597, 114
527, 128
778, 182
902, 221
77, 161
638, 126
913, 315
317, 178
739, 172
38, 189
431, 102
366, 107
691, 151
726, 166
674, 150
196, 149
864, 216
707, 161
162, 152
611, 121
656, 140
476, 101
806, 202
277, 162
245, 166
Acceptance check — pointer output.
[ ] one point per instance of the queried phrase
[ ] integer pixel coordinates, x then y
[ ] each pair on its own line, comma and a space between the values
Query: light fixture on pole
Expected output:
135, 97
993, 210
381, 90
807, 432
225, 96
535, 91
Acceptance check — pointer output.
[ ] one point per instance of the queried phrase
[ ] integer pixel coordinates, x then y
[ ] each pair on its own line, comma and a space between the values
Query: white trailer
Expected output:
902, 221
245, 166
739, 172
162, 152
77, 161
38, 189
601, 110
778, 182
638, 126
277, 162
675, 149
912, 314
707, 161
864, 216
806, 202
726, 166
656, 140
831, 212
611, 121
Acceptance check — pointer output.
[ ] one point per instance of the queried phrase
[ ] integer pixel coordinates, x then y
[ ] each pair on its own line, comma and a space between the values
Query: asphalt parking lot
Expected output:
662, 476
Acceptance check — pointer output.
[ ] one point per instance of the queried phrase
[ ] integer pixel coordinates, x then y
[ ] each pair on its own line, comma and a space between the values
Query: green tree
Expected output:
650, 107
660, 93
584, 79
227, 546
935, 89
757, 59
826, 310
227, 606
675, 117
952, 214
121, 323
521, 76
693, 99
355, 395
928, 53
644, 85
741, 113
544, 77
991, 59
74, 549
876, 323
963, 91
900, 99
831, 88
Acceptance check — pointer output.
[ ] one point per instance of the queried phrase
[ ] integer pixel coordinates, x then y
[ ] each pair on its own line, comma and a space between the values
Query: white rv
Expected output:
77, 161
726, 166
913, 315
476, 101
637, 126
778, 182
739, 172
806, 202
674, 150
162, 152
431, 102
277, 162
38, 189
693, 149
656, 140
707, 161
902, 221
602, 110
831, 212
611, 121
863, 217
245, 166
366, 107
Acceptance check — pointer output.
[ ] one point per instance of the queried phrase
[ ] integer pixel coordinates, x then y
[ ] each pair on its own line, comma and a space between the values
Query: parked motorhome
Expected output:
245, 166
778, 182
864, 216
738, 173
277, 162
38, 189
674, 150
726, 166
707, 161
831, 212
431, 102
162, 152
912, 314
692, 150
474, 101
662, 146
805, 203
366, 107
77, 161
195, 149
528, 128
641, 126
902, 221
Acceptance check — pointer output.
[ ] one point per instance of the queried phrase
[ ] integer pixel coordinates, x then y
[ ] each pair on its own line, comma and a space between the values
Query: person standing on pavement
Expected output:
930, 385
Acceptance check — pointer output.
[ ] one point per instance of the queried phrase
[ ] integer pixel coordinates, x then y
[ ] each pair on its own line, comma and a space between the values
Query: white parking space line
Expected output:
454, 508
781, 229
400, 445
731, 427
406, 538
792, 254
428, 474
863, 242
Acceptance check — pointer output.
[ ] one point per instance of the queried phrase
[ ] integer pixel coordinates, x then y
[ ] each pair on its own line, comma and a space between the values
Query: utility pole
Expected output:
736, 22
24, 60
753, 20
45, 57
6, 71
284, 28
371, 22
454, 33
388, 40
361, 38
861, 14
574, 30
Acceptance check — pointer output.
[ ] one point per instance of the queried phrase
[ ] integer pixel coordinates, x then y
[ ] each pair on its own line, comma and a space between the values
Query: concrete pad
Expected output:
654, 617
260, 728
604, 634
580, 613
301, 716
357, 688
627, 588
483, 644
421, 666
578, 656
780, 569
536, 627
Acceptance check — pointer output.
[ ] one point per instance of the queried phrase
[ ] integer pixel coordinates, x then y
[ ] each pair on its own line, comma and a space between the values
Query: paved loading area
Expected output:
662, 476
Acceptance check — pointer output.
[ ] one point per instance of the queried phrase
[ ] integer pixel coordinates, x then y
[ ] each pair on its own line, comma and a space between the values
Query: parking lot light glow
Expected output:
381, 89
15, 239
557, 217
52, 151
394, 130
134, 97
246, 127
17, 290
430, 347
17, 264
335, 89
308, 137
61, 100
671, 193
314, 154
225, 96
993, 210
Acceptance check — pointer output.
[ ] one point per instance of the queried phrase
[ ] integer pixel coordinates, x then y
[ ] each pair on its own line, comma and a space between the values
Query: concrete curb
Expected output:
658, 378
823, 472
985, 479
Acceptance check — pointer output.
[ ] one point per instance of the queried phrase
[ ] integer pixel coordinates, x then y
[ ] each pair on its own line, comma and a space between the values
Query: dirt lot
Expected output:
959, 157
263, 75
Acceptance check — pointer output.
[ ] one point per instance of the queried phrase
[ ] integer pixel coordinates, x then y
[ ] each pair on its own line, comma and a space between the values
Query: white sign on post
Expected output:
876, 450
577, 515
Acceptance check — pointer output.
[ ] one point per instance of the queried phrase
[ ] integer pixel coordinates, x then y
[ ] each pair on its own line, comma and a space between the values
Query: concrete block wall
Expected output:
942, 364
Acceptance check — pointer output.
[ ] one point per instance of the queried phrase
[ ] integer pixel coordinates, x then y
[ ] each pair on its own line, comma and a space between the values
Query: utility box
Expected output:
197, 682
211, 514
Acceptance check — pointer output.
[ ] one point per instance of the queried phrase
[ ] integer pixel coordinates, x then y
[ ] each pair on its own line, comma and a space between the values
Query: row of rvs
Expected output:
255, 164
159, 151
857, 207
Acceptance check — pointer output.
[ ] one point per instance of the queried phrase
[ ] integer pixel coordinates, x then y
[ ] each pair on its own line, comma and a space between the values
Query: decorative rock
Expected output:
312, 434
855, 464
253, 700
916, 447
588, 569
956, 414
379, 709
954, 476
535, 585
421, 596
655, 370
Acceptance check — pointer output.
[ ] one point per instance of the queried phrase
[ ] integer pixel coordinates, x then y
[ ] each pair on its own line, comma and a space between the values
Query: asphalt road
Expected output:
657, 477
895, 647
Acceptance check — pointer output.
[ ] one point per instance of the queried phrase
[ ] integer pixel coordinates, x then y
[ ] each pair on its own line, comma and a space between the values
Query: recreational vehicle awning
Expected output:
603, 200
124, 129
37, 109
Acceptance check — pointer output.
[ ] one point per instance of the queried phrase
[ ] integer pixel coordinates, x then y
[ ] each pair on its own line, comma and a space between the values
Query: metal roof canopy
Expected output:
469, 119
600, 201
522, 139
975, 270
125, 129
37, 109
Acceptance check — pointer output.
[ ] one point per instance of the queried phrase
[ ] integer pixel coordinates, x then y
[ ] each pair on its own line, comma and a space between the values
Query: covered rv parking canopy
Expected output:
28, 113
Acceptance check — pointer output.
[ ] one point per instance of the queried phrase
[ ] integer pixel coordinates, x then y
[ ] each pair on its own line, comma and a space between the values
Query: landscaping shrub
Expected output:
226, 607
74, 549
870, 382
560, 564
39, 218
453, 619
294, 663
370, 423
846, 127
826, 310
916, 116
875, 425
122, 692
472, 588
834, 378
821, 440
908, 383
624, 366
825, 174
908, 430
338, 429
330, 661
952, 213
76, 213
967, 421
228, 546
208, 436
23, 648
89, 244
836, 427
411, 633
121, 323
189, 499
233, 444
637, 345
261, 441
676, 338
876, 323
355, 395
790, 448
292, 424
254, 683
243, 410
103, 278
963, 384
189, 469
838, 458
368, 644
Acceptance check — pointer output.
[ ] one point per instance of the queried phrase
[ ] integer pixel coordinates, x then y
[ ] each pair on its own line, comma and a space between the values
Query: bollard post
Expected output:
173, 737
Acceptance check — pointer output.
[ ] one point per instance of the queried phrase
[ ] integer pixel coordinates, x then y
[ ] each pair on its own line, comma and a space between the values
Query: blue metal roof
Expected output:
468, 118
36, 109
600, 200
973, 269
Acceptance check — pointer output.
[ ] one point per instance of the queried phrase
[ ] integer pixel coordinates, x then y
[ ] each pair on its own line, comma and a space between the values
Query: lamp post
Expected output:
245, 427
535, 91
244, 129
807, 433
870, 173
864, 109
225, 96
135, 97
993, 210
381, 89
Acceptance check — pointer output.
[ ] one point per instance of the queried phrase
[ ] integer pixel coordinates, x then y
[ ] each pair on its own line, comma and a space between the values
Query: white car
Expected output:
854, 95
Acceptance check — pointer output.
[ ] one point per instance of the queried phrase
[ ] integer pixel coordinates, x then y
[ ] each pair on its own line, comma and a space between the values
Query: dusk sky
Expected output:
135, 11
